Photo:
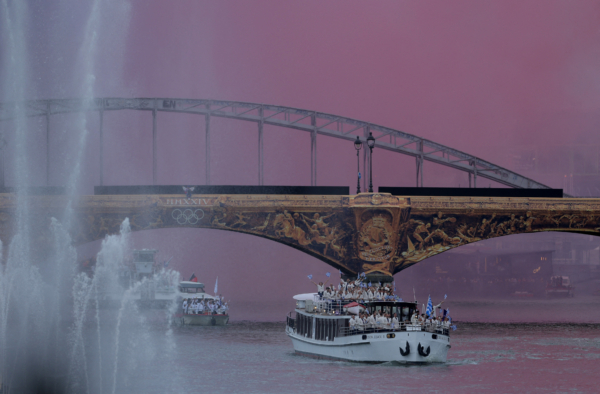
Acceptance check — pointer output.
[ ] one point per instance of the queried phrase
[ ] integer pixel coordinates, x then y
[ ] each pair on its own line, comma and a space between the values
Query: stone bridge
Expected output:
375, 233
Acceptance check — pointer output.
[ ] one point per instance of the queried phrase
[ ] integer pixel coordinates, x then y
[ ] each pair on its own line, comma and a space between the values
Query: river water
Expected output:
257, 357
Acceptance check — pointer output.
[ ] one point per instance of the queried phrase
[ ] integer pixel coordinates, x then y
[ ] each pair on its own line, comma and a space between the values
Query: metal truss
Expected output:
315, 123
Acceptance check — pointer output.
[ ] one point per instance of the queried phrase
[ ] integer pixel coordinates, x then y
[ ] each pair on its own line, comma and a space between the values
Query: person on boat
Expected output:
415, 317
381, 321
371, 323
350, 294
332, 293
394, 323
201, 307
446, 323
388, 318
343, 285
359, 322
320, 287
185, 305
353, 324
436, 307
438, 322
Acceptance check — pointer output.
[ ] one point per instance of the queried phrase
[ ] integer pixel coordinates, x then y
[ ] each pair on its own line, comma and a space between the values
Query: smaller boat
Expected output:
197, 308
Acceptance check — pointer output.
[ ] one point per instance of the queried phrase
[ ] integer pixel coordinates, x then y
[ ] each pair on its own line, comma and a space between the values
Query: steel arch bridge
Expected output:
313, 122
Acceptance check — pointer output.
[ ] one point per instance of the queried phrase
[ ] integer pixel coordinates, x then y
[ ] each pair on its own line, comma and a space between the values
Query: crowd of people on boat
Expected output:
378, 320
356, 290
196, 306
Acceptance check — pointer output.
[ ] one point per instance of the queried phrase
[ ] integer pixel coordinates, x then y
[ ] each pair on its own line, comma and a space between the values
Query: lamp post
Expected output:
371, 144
358, 147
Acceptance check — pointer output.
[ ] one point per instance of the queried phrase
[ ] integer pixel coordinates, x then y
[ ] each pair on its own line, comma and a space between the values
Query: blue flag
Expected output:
445, 296
369, 284
453, 328
328, 274
309, 276
429, 307
340, 272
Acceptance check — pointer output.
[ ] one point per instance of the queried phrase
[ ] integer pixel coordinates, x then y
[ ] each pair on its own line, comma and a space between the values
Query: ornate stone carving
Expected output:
372, 233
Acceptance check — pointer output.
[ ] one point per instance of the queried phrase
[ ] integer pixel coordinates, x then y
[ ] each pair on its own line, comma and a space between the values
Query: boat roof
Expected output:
187, 283
407, 303
202, 296
305, 296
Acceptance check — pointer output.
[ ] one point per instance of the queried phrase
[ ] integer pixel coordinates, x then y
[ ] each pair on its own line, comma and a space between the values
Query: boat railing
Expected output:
401, 327
290, 322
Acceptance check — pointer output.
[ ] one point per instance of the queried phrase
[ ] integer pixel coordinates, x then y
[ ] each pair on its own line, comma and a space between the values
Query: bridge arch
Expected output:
312, 122
375, 233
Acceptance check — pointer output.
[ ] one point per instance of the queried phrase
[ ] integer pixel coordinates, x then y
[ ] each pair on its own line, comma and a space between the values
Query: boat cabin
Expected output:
325, 320
191, 287
403, 310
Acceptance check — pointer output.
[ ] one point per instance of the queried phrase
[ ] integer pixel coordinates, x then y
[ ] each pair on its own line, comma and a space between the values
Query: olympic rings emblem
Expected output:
187, 216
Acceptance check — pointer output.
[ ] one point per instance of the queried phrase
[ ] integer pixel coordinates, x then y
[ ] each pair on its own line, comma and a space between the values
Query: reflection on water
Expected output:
252, 357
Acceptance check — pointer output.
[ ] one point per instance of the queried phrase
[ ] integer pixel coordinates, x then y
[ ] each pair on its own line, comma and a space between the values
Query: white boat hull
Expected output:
205, 320
376, 347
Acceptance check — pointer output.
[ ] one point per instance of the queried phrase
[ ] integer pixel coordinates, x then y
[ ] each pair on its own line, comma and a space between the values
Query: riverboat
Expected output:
321, 329
194, 290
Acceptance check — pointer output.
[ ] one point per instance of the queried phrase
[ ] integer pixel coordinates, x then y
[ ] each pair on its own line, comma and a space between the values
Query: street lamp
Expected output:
371, 144
358, 147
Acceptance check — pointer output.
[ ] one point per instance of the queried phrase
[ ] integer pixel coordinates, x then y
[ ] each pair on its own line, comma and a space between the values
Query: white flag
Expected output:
216, 285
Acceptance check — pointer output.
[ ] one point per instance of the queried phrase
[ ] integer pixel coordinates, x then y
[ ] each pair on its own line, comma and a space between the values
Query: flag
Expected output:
369, 284
445, 313
445, 296
216, 285
429, 309
193, 278
453, 328
310, 277
328, 274
340, 272
364, 275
